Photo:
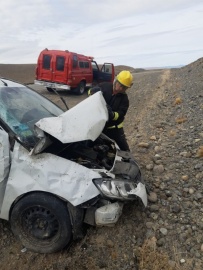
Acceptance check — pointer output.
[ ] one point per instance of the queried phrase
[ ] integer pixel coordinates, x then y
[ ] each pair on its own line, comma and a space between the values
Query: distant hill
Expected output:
23, 73
131, 69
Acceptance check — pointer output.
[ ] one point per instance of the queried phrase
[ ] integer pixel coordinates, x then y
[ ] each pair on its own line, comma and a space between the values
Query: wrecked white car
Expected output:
58, 170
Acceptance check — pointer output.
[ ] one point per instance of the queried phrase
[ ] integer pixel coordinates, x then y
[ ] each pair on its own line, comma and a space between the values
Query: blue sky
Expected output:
137, 33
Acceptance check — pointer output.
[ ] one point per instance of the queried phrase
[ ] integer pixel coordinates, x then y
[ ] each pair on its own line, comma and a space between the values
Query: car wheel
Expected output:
80, 89
41, 222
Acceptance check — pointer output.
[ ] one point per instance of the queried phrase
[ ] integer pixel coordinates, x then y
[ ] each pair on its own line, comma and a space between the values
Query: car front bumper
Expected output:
53, 85
108, 214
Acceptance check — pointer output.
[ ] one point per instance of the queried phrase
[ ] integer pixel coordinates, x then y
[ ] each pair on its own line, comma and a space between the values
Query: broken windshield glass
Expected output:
21, 109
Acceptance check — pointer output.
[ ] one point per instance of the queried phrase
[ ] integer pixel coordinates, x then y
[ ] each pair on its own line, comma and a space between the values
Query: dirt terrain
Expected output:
164, 128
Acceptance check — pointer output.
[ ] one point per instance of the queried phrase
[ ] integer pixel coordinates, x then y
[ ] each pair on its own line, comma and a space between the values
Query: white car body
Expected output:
24, 171
50, 173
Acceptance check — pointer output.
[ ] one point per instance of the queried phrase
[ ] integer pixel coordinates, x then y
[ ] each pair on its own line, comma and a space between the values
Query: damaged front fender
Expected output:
49, 173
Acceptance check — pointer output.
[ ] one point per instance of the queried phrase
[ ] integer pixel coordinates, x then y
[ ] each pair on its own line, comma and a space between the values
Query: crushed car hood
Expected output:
84, 121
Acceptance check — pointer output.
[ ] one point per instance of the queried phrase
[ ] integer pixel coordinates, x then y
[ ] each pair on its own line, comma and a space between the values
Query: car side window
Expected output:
46, 62
60, 62
75, 61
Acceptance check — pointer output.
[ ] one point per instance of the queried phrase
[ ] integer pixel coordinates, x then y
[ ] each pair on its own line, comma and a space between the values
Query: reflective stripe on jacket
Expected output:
117, 126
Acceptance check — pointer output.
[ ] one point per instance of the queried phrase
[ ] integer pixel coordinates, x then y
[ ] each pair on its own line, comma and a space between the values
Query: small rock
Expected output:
154, 208
157, 156
168, 193
109, 243
158, 169
197, 140
149, 167
183, 154
175, 208
191, 190
161, 242
198, 166
157, 149
152, 197
198, 196
149, 225
199, 175
154, 216
143, 144
182, 261
23, 250
185, 177
164, 231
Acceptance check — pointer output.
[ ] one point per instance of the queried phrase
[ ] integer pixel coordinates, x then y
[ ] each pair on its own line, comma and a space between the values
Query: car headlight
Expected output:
121, 189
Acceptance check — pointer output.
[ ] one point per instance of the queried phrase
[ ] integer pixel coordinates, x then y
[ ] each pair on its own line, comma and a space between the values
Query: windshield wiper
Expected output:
62, 99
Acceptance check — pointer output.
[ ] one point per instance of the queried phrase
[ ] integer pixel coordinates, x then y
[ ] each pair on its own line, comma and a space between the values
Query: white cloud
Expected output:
132, 32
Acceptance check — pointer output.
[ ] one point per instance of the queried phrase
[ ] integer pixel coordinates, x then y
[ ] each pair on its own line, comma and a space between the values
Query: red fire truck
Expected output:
66, 70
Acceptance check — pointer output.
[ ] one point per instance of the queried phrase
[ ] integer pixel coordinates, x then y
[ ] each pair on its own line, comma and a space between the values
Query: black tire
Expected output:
42, 223
80, 89
50, 89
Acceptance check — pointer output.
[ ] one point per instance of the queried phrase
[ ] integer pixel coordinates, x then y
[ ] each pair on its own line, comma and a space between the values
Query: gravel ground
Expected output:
164, 128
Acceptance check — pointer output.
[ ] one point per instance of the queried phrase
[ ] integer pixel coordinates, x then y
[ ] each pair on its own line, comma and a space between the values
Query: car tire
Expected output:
42, 223
80, 89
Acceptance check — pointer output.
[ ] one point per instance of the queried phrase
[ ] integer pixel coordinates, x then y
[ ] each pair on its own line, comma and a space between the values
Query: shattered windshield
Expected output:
21, 108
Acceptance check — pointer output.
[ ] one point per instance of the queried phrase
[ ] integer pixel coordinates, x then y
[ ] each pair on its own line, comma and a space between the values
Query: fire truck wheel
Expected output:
80, 89
42, 223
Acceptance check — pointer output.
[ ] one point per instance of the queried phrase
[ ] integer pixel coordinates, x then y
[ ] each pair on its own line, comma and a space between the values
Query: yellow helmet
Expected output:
125, 78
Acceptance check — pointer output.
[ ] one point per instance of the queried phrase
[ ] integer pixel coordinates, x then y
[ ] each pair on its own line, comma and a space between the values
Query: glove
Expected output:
110, 112
94, 90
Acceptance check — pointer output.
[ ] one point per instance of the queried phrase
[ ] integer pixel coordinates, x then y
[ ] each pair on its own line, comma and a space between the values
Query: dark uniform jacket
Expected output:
119, 103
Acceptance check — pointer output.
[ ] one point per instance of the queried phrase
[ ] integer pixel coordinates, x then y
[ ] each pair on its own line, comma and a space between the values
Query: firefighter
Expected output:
117, 105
